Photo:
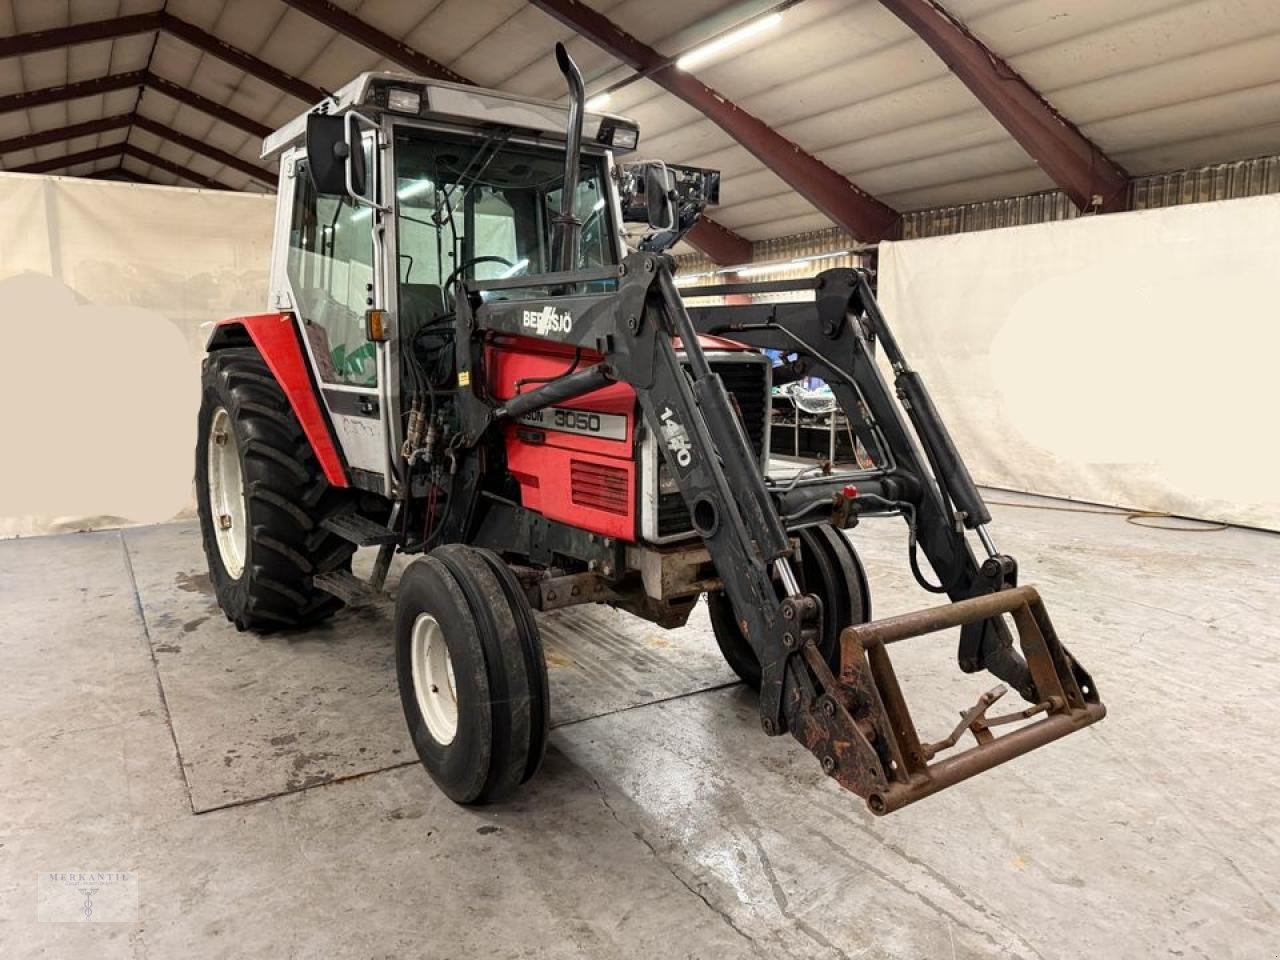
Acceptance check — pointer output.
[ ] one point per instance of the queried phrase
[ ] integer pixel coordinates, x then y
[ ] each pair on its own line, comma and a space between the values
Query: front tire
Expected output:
261, 497
829, 567
472, 678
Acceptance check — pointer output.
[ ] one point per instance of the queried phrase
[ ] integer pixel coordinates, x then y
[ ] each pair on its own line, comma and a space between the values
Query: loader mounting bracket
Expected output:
862, 730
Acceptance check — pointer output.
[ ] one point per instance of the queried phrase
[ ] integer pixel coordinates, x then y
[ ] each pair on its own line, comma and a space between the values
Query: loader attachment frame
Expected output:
856, 722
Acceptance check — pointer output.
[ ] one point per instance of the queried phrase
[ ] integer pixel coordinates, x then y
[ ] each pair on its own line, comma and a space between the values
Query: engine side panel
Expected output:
576, 463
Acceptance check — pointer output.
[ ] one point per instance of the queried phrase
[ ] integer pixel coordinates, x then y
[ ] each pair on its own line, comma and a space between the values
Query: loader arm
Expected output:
856, 722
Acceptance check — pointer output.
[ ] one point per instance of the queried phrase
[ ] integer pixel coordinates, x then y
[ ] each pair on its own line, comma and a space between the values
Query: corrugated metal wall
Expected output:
1220, 181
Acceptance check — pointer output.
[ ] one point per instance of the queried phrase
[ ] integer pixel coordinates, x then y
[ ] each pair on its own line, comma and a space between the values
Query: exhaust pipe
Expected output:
567, 250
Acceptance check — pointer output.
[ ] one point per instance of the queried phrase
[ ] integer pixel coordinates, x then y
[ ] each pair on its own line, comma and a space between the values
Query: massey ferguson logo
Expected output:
547, 320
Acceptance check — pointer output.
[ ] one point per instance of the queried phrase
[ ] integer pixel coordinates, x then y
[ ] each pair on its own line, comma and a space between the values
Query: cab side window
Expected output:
331, 270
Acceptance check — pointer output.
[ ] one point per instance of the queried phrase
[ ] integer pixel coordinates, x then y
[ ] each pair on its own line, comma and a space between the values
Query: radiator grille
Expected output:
599, 486
747, 383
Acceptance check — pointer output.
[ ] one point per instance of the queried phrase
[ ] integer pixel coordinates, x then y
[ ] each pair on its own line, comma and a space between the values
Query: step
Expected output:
347, 587
359, 530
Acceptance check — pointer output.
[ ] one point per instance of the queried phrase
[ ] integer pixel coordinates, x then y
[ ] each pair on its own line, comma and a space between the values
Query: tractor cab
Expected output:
397, 188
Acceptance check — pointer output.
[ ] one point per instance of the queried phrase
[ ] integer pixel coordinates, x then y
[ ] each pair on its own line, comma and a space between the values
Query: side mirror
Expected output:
335, 155
659, 206
646, 195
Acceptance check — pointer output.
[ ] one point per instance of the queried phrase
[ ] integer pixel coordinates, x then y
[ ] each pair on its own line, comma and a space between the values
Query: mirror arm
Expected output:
370, 174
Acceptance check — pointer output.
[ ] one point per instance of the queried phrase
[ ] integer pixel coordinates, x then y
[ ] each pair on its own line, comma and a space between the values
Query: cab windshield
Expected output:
482, 209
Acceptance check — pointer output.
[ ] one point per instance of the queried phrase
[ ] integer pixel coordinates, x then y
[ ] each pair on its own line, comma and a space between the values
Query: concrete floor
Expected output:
262, 789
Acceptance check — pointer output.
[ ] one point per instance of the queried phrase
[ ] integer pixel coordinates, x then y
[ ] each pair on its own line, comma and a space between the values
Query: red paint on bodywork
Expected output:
276, 338
542, 460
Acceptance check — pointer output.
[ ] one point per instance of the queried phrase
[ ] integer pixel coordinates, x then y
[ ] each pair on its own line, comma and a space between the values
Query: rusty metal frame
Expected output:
1079, 166
836, 196
882, 758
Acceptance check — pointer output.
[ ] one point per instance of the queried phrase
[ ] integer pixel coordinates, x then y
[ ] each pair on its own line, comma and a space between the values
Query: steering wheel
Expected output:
466, 264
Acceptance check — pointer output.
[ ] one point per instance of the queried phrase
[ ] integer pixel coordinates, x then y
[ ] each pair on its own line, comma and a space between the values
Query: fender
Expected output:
276, 337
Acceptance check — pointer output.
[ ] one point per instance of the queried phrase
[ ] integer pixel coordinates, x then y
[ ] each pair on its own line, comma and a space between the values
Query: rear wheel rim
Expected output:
226, 494
434, 685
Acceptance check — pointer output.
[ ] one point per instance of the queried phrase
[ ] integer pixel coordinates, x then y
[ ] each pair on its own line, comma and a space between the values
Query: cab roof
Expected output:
458, 103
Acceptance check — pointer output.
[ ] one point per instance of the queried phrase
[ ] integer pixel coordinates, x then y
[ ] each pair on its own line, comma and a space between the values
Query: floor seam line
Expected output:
279, 794
155, 669
648, 703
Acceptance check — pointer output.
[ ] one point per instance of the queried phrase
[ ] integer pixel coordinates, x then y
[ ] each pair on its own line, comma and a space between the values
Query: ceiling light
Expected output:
822, 256
765, 268
700, 55
599, 101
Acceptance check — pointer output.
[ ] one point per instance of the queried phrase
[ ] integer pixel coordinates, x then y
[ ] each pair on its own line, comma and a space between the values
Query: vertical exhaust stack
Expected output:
568, 227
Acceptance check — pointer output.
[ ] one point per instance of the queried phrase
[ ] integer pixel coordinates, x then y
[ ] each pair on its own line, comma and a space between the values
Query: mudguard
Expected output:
276, 338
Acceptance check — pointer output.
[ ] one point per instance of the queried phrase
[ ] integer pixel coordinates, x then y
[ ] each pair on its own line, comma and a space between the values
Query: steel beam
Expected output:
177, 169
71, 159
124, 81
117, 150
29, 141
1084, 172
834, 195
163, 131
351, 26
199, 146
55, 39
120, 173
59, 37
719, 243
250, 64
27, 99
216, 110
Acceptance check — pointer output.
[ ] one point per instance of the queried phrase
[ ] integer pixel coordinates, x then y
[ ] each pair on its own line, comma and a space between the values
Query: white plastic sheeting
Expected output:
104, 288
1128, 360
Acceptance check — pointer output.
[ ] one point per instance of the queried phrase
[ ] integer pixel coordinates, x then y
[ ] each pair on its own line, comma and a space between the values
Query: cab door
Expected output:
332, 278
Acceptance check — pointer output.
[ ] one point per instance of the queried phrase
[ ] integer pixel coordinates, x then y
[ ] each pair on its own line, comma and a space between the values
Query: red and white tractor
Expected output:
463, 360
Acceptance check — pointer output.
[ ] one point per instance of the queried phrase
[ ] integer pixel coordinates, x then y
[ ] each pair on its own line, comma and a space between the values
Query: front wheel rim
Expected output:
434, 685
226, 494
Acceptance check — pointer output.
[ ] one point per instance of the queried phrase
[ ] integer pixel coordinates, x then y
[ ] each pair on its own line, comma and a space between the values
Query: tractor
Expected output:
463, 359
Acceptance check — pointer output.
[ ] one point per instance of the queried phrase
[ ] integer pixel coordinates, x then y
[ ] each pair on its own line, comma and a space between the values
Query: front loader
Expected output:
467, 363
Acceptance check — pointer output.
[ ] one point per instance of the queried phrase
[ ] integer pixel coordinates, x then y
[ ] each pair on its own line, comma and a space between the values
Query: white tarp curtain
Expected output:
1129, 359
104, 287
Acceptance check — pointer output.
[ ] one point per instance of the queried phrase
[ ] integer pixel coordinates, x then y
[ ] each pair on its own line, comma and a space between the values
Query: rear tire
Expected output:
472, 678
829, 567
264, 541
